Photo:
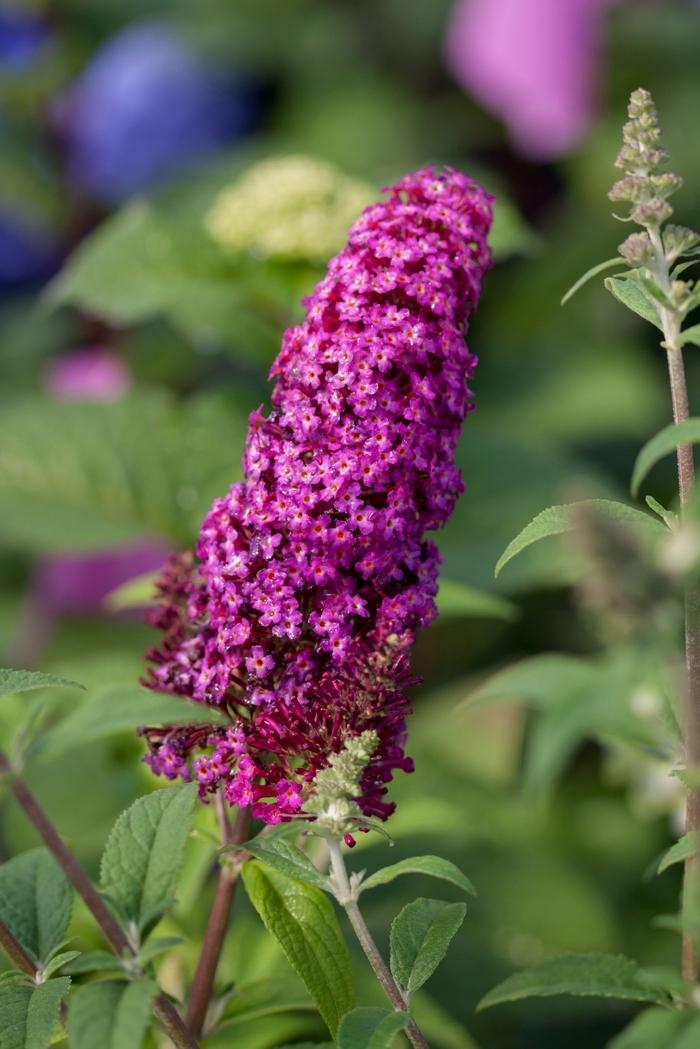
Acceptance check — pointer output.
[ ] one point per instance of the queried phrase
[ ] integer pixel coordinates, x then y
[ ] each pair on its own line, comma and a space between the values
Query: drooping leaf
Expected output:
660, 1029
110, 1014
661, 445
434, 866
420, 937
142, 859
268, 997
588, 275
94, 961
455, 600
12, 681
584, 975
28, 1015
284, 856
630, 293
683, 848
35, 902
691, 334
368, 1028
303, 922
158, 946
556, 520
118, 708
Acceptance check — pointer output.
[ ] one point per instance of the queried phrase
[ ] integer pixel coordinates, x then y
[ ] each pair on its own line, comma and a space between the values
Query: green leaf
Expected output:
434, 866
303, 922
653, 289
420, 937
588, 275
114, 709
667, 516
540, 680
94, 961
58, 961
12, 681
684, 847
559, 519
268, 997
691, 334
28, 1015
35, 902
110, 1014
456, 599
629, 292
284, 856
660, 1029
367, 1028
86, 475
662, 444
142, 859
138, 592
583, 975
158, 946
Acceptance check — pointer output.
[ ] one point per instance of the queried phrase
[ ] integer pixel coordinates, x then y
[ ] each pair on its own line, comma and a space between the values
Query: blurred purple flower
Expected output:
28, 252
80, 582
145, 107
91, 373
23, 36
533, 62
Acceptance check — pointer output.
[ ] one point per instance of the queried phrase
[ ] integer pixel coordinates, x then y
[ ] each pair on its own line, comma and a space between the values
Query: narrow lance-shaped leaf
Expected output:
684, 847
420, 936
588, 275
142, 859
434, 866
557, 520
367, 1028
691, 334
303, 922
35, 902
583, 975
630, 293
12, 681
284, 856
661, 445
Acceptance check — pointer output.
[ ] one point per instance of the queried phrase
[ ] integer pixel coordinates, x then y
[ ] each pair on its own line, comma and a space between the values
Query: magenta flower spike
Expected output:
313, 574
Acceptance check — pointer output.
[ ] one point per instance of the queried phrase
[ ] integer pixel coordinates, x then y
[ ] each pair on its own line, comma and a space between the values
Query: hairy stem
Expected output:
671, 324
347, 899
217, 925
77, 876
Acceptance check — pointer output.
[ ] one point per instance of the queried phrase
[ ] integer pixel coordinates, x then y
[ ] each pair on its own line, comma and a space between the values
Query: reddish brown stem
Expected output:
21, 960
217, 926
77, 876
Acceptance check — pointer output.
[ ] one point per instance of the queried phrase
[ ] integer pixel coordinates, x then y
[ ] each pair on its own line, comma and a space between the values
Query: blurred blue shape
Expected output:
22, 36
28, 252
145, 107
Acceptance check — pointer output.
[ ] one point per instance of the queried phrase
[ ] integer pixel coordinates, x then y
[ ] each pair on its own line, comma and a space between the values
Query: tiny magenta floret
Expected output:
313, 574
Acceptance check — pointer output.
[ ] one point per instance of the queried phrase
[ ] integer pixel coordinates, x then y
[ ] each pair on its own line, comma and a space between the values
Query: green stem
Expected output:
671, 321
347, 898
77, 876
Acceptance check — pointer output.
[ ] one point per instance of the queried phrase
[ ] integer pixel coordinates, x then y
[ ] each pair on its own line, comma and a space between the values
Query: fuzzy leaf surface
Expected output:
110, 1014
12, 681
556, 520
594, 975
303, 922
420, 937
142, 859
661, 445
434, 866
630, 293
28, 1015
35, 901
660, 1029
284, 856
368, 1028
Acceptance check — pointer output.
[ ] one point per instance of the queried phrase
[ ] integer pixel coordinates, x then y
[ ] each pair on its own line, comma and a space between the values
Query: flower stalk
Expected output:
647, 186
77, 876
346, 895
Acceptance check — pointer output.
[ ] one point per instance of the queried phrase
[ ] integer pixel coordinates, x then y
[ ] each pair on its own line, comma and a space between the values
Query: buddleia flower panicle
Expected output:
314, 573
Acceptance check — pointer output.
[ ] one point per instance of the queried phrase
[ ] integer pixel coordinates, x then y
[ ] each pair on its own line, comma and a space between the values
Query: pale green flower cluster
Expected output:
336, 787
288, 207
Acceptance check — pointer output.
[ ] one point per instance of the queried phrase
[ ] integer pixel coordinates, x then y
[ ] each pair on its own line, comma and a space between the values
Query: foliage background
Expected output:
565, 397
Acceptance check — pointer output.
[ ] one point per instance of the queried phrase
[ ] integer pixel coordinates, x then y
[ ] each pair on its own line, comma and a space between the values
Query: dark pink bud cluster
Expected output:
315, 568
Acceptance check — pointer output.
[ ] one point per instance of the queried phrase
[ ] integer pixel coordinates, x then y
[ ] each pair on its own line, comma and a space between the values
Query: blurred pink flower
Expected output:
532, 62
91, 373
